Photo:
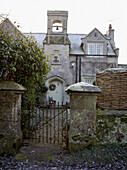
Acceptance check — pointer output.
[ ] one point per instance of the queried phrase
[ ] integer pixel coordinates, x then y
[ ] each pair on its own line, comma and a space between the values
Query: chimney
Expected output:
111, 32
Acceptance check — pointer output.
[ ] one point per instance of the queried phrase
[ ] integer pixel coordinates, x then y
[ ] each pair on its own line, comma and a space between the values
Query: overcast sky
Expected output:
84, 16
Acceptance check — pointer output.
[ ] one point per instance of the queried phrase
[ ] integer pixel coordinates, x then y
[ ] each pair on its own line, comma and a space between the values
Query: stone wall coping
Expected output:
11, 86
112, 113
83, 87
57, 13
113, 70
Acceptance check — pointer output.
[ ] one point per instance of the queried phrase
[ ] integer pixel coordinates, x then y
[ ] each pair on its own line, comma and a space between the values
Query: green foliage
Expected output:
21, 156
41, 88
22, 60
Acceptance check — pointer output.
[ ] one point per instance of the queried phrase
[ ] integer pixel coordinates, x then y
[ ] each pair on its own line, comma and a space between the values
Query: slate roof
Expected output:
110, 50
75, 39
39, 37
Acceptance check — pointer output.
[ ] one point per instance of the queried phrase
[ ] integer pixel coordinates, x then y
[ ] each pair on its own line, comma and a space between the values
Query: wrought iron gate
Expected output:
46, 124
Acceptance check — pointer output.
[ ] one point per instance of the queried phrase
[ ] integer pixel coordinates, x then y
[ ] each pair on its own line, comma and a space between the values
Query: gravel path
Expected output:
109, 157
10, 163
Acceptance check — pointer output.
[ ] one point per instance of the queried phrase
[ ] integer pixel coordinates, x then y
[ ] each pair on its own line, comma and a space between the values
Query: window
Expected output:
52, 87
95, 48
57, 26
99, 48
91, 48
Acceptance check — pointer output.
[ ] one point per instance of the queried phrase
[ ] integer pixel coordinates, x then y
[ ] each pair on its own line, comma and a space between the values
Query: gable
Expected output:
7, 25
97, 39
94, 35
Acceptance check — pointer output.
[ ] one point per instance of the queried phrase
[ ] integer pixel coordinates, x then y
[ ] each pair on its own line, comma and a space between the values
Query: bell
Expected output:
57, 28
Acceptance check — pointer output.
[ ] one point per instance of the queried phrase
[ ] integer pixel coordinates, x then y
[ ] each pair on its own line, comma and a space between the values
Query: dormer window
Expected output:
95, 48
57, 26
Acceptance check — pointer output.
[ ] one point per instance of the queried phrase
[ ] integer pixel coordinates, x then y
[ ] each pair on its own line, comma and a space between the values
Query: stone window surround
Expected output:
95, 48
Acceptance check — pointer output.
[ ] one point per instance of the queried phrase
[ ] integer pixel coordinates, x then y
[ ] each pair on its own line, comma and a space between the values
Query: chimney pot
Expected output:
110, 26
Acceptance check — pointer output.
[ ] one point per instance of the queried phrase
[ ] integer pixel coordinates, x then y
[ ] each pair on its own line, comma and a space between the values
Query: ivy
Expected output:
22, 60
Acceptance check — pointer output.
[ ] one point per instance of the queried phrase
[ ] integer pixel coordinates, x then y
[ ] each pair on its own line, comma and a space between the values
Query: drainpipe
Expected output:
76, 79
80, 69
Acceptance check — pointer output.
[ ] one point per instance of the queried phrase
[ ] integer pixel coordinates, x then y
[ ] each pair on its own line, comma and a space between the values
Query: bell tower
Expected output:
57, 28
57, 46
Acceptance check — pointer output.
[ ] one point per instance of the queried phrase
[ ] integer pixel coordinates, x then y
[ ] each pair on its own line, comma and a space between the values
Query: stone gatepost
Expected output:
10, 117
83, 98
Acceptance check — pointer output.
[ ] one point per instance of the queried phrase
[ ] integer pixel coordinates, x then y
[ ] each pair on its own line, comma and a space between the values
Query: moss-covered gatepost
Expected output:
10, 117
83, 98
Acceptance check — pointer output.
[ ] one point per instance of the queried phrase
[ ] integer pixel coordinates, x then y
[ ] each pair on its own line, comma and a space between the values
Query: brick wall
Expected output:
113, 83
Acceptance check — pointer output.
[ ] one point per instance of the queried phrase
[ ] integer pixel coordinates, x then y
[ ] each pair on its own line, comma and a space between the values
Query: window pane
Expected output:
99, 48
91, 48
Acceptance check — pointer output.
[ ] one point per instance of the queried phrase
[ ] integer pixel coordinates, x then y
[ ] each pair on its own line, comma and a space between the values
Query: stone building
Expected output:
74, 57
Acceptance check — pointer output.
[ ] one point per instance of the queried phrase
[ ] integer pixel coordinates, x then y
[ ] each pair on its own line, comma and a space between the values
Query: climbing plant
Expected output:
22, 60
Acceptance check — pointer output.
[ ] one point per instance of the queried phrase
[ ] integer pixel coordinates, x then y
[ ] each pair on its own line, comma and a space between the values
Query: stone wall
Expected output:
83, 98
113, 83
10, 117
60, 66
111, 126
